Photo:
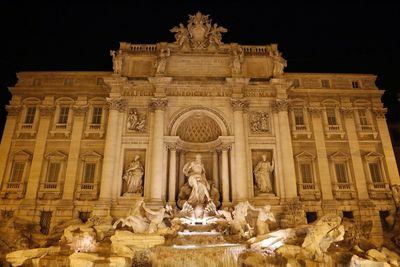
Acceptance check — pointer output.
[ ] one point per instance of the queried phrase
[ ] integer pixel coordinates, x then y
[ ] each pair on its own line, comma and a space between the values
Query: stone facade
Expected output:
70, 137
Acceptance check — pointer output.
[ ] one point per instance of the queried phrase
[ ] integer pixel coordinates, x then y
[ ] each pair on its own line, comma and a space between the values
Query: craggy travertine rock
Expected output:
84, 259
125, 243
374, 254
359, 262
17, 258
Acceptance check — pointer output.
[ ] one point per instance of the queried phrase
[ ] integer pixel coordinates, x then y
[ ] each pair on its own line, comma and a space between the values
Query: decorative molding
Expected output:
47, 110
316, 111
136, 122
80, 110
13, 110
347, 111
259, 122
158, 104
280, 105
239, 104
379, 112
116, 103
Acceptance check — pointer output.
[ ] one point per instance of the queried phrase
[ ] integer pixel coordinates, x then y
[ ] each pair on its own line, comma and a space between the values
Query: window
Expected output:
30, 115
296, 83
348, 214
298, 116
331, 116
311, 216
84, 216
341, 174
362, 114
375, 172
325, 84
17, 172
45, 221
53, 172
306, 173
355, 84
89, 173
96, 117
63, 117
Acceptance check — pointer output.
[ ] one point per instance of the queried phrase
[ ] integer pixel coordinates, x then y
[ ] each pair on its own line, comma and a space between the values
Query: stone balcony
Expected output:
342, 191
309, 191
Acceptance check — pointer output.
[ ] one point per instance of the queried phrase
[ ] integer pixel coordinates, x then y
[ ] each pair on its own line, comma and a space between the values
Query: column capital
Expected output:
80, 110
239, 104
316, 111
280, 105
116, 103
158, 103
173, 146
13, 110
347, 111
379, 112
46, 110
223, 147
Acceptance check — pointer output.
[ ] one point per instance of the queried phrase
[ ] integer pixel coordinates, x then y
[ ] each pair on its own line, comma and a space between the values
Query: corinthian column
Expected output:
34, 176
393, 172
225, 174
285, 148
158, 106
115, 105
8, 133
172, 175
241, 179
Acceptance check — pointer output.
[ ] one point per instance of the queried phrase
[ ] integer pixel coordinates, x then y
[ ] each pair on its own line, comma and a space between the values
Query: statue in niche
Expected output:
238, 58
161, 62
396, 194
263, 175
196, 174
117, 61
259, 122
135, 121
134, 177
181, 34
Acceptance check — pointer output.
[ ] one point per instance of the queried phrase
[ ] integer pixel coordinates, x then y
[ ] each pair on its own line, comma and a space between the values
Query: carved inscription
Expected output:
189, 65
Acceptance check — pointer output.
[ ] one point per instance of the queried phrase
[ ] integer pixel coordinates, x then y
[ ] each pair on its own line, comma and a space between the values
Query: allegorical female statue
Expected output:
134, 177
196, 174
263, 175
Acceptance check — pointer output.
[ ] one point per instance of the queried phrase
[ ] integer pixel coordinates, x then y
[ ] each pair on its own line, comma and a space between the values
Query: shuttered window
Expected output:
341, 175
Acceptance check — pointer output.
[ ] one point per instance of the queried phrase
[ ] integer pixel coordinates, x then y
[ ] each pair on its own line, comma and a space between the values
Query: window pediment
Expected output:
22, 155
56, 155
91, 155
339, 156
372, 155
305, 156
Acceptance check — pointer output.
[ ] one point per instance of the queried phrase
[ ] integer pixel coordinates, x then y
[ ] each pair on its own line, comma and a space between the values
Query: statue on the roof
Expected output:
199, 33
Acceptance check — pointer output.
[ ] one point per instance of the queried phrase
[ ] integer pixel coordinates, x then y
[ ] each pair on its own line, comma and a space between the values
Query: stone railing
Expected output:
14, 185
253, 49
138, 47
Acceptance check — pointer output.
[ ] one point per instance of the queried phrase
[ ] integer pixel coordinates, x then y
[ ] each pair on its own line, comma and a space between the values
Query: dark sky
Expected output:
314, 36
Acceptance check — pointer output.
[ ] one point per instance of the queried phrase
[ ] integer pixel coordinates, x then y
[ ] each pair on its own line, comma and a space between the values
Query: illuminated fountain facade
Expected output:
209, 128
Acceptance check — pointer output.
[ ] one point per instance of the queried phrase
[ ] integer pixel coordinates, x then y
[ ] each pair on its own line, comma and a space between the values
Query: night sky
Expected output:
314, 36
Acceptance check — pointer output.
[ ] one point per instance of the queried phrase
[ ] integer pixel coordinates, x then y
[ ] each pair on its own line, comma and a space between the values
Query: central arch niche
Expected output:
199, 128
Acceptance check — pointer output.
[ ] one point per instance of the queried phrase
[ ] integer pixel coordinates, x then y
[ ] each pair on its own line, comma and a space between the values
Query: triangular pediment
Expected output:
305, 155
339, 155
22, 154
373, 155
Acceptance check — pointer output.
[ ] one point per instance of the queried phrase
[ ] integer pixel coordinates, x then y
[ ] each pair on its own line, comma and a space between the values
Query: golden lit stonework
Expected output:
197, 151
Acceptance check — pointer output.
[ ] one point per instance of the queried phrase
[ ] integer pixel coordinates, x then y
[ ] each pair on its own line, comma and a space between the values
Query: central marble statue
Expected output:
197, 190
196, 174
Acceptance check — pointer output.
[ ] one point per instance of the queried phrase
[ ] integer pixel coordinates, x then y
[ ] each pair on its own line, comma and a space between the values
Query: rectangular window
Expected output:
355, 84
325, 84
306, 173
375, 171
331, 116
96, 117
89, 172
341, 175
362, 114
45, 221
63, 117
17, 171
30, 115
53, 171
298, 116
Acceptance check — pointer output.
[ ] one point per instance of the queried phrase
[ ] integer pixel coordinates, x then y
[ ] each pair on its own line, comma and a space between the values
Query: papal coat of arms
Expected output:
200, 33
